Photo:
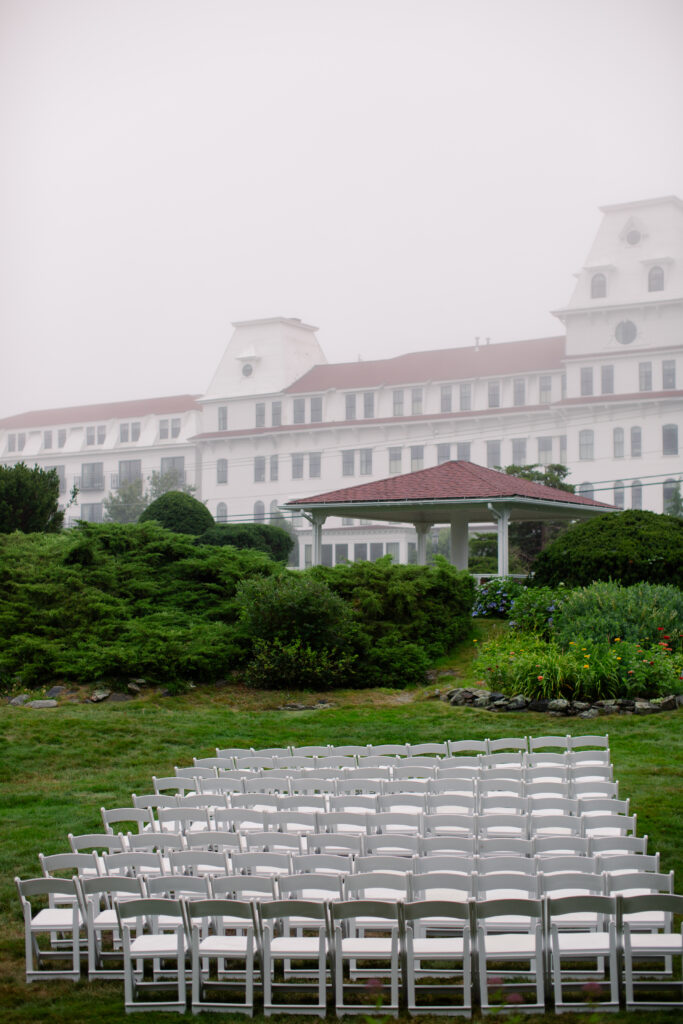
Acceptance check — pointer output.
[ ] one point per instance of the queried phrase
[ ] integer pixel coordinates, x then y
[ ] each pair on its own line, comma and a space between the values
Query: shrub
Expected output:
495, 597
643, 613
273, 540
534, 609
179, 512
279, 665
392, 662
627, 547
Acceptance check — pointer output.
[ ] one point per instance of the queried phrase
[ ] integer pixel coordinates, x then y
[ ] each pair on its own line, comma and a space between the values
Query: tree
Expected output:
179, 512
674, 506
29, 500
528, 539
171, 480
127, 503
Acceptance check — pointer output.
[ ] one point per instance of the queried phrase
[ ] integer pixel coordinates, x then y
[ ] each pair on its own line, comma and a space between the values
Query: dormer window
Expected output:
655, 279
598, 286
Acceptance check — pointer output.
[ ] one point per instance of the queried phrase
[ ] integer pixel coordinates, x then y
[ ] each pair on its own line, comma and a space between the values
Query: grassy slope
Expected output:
58, 767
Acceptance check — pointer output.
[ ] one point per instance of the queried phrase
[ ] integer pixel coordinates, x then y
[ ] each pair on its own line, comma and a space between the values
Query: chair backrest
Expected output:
322, 863
457, 864
421, 749
217, 762
509, 907
440, 884
450, 824
508, 743
198, 862
70, 864
197, 772
376, 885
149, 909
603, 805
293, 822
252, 762
154, 842
619, 824
319, 750
240, 820
512, 882
152, 801
115, 815
550, 788
566, 862
667, 903
555, 824
560, 845
503, 824
184, 819
407, 802
334, 842
349, 909
343, 821
618, 844
390, 749
620, 863
456, 747
423, 786
416, 771
383, 862
360, 802
216, 909
647, 881
351, 750
209, 801
230, 752
272, 842
299, 909
505, 862
245, 887
112, 887
262, 863
544, 805
310, 887
173, 783
582, 882
135, 864
500, 846
96, 842
29, 888
391, 845
539, 743
221, 841
406, 822
589, 742
462, 844
426, 910
178, 886
502, 803
224, 784
563, 906
255, 799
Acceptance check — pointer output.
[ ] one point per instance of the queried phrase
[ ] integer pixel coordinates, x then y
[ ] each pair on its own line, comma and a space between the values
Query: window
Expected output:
175, 428
11, 442
563, 385
636, 494
365, 455
607, 380
645, 376
544, 387
376, 551
222, 471
91, 512
259, 469
221, 512
47, 439
90, 433
346, 521
360, 552
492, 454
619, 493
129, 471
276, 414
463, 451
174, 466
518, 391
135, 431
670, 491
398, 402
585, 444
124, 432
494, 394
308, 556
299, 410
350, 407
163, 431
443, 454
348, 463
297, 466
368, 404
92, 476
465, 396
586, 380
446, 398
314, 464
618, 442
61, 437
222, 412
655, 279
636, 443
586, 490
598, 286
259, 512
519, 451
102, 433
393, 549
545, 450
417, 457
274, 467
669, 439
326, 553
562, 439
260, 414
316, 408
668, 374
395, 460
416, 401
341, 553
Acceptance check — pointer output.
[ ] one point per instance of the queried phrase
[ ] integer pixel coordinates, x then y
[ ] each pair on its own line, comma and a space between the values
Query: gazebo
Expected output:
453, 494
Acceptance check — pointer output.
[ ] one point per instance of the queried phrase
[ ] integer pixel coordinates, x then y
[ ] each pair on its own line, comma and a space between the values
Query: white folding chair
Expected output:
432, 749
351, 946
144, 938
423, 951
261, 862
294, 930
642, 948
596, 946
520, 947
98, 898
61, 920
198, 862
221, 931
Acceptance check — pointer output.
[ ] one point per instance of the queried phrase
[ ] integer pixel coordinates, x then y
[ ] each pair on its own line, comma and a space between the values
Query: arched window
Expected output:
619, 493
670, 488
655, 279
599, 286
670, 439
618, 436
586, 490
636, 494
222, 471
585, 444
221, 512
259, 512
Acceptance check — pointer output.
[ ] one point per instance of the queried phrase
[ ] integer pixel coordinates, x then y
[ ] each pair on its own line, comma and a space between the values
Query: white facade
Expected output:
278, 422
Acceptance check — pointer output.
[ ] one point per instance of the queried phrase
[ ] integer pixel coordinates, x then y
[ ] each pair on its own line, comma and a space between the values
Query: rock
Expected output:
591, 713
679, 699
608, 707
482, 702
665, 703
558, 705
518, 702
42, 704
579, 706
459, 698
139, 682
20, 699
643, 707
98, 695
55, 691
537, 705
120, 698
134, 687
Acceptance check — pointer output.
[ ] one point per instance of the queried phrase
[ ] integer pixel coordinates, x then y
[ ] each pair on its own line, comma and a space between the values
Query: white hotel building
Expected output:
279, 422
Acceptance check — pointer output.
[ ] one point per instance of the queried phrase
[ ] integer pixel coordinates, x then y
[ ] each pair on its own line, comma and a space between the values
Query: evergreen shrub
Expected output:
179, 512
643, 613
273, 540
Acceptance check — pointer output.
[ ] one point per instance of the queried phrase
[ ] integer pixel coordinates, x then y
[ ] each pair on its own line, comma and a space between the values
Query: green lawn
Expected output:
58, 767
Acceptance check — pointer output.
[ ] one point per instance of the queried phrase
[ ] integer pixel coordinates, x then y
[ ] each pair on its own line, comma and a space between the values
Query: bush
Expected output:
394, 663
495, 597
643, 613
179, 512
534, 609
627, 547
273, 540
276, 665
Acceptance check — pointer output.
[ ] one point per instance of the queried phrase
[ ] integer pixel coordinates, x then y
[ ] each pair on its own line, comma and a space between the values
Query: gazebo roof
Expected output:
436, 494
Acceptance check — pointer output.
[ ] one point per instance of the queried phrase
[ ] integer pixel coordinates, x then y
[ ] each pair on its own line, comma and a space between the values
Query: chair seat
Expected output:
518, 944
106, 919
443, 947
589, 943
295, 946
155, 945
54, 919
367, 947
223, 945
647, 942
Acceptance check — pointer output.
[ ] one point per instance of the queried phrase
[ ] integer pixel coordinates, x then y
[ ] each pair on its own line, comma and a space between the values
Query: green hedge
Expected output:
273, 540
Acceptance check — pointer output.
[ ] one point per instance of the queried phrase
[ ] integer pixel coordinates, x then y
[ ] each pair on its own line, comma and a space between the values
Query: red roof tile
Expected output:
437, 364
451, 480
104, 411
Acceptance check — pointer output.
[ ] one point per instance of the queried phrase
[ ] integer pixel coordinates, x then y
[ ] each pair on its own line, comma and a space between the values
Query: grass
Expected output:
58, 767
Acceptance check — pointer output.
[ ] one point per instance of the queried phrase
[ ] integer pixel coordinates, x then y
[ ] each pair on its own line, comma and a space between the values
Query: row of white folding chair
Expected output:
555, 742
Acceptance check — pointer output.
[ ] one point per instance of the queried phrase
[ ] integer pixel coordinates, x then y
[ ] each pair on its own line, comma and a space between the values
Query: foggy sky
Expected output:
405, 174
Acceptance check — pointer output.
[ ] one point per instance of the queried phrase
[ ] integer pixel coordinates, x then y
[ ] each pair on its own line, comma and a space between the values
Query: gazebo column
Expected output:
422, 529
458, 552
317, 520
502, 516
